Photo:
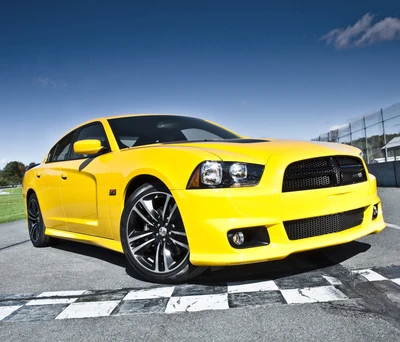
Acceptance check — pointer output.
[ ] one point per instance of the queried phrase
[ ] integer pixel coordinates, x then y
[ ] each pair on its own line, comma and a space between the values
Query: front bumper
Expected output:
209, 214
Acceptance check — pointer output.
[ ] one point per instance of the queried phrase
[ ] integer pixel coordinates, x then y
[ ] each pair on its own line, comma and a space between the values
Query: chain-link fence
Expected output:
377, 135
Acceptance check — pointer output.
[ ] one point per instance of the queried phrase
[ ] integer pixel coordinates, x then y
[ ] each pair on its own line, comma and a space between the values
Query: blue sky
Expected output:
290, 69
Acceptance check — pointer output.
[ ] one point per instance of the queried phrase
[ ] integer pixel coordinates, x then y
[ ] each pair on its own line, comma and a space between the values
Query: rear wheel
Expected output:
154, 238
36, 225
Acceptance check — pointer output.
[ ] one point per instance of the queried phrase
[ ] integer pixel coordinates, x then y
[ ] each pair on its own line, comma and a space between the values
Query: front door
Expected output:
83, 189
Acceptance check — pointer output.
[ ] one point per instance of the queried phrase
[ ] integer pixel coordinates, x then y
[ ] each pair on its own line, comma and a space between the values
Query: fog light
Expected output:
238, 238
375, 212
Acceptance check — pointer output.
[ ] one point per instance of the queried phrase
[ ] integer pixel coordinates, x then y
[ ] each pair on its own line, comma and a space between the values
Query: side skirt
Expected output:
89, 239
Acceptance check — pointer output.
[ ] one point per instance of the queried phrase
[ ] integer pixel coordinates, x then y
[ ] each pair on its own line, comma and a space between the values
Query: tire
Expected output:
36, 227
153, 236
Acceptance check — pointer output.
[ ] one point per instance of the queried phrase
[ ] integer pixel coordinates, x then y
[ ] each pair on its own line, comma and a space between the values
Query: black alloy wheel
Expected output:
154, 238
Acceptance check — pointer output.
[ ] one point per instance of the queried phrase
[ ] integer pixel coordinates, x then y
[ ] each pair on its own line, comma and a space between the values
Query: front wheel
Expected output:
154, 238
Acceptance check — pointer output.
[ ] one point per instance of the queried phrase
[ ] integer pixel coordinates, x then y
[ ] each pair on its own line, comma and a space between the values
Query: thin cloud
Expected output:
42, 81
364, 32
386, 30
47, 82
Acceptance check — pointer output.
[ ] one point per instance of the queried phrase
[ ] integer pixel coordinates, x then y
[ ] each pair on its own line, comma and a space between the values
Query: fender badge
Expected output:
113, 192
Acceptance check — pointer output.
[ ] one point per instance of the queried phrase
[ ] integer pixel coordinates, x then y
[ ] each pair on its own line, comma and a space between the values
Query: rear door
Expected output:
48, 182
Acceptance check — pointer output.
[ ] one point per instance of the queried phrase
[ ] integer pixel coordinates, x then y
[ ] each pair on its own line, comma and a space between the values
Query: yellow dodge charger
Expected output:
176, 194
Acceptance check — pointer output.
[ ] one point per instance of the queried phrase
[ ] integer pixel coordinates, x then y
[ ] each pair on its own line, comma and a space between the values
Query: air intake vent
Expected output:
322, 225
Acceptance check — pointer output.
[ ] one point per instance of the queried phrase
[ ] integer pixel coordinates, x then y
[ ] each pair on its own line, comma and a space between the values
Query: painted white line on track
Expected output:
313, 295
397, 281
89, 309
8, 310
198, 303
161, 292
395, 226
369, 275
252, 286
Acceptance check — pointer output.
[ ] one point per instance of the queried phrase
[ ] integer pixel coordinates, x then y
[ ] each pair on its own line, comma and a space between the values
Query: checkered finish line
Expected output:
311, 287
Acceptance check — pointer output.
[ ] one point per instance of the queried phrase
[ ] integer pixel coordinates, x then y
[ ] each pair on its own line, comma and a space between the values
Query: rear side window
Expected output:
61, 150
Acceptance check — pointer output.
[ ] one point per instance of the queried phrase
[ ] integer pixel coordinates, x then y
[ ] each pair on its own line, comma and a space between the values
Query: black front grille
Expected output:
323, 172
321, 225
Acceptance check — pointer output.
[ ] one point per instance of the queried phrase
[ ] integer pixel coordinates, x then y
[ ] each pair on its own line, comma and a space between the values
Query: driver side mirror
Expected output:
91, 146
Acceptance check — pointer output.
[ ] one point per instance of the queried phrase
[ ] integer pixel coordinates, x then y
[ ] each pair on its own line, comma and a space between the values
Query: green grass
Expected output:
12, 205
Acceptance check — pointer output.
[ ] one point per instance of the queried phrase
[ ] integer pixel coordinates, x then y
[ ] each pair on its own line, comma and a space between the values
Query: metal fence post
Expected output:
351, 137
384, 135
366, 140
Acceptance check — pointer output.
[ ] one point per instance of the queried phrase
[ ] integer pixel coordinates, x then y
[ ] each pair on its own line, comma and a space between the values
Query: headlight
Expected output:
215, 174
211, 173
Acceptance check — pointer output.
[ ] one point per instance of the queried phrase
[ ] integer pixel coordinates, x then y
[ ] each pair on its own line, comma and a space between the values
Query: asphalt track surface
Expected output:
79, 292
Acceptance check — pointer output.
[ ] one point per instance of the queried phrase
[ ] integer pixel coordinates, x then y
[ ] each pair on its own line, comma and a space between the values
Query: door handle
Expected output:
38, 175
64, 176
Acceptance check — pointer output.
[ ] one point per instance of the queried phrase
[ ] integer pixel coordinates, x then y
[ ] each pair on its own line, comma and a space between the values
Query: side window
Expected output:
61, 151
51, 154
93, 131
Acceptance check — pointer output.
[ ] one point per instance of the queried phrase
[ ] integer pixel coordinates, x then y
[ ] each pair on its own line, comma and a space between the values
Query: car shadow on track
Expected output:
300, 263
295, 264
115, 258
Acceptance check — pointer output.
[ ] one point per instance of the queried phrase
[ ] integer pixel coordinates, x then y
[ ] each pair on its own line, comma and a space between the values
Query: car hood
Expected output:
260, 150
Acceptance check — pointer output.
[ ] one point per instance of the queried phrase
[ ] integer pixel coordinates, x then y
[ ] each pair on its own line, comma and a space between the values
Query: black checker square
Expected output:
198, 290
141, 306
98, 296
301, 280
243, 299
390, 272
29, 313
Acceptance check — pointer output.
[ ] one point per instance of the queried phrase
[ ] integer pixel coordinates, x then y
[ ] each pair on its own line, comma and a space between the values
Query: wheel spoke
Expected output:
148, 210
31, 216
35, 207
137, 211
143, 245
184, 245
167, 257
157, 259
34, 231
137, 235
31, 228
171, 213
168, 197
175, 232
144, 206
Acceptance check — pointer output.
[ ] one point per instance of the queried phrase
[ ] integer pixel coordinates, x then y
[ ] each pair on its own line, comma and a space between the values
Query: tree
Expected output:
13, 172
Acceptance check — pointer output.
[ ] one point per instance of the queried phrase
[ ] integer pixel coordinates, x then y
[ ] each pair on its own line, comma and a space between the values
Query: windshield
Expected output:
145, 130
